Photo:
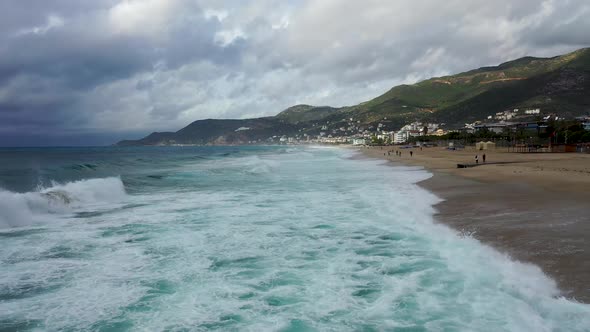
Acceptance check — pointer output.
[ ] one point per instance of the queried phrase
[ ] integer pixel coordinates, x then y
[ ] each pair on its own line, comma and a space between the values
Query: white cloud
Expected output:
282, 24
217, 14
53, 22
226, 37
142, 17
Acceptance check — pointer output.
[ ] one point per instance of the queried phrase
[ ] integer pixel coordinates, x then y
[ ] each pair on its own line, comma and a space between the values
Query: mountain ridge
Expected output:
559, 84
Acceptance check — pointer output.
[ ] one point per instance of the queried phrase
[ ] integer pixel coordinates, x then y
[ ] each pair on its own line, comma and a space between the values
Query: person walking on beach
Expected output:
411, 153
483, 158
476, 159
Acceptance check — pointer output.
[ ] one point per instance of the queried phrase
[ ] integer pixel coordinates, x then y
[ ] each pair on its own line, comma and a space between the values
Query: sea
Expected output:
248, 239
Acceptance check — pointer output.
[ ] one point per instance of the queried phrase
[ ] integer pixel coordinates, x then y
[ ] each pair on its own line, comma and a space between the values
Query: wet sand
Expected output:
535, 207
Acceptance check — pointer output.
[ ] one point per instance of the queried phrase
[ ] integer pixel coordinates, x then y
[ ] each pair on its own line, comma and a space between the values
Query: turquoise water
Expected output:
248, 239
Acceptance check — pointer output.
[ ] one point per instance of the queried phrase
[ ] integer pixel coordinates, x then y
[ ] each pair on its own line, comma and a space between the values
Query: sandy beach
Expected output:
533, 207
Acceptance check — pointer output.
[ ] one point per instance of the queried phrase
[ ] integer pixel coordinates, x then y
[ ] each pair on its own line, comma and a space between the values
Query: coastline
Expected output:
533, 207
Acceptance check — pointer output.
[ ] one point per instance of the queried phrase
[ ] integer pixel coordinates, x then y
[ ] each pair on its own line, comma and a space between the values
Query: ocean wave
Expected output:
243, 165
257, 165
82, 167
22, 209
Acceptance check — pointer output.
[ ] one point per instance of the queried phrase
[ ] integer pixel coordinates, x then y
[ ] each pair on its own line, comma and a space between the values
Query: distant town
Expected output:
505, 125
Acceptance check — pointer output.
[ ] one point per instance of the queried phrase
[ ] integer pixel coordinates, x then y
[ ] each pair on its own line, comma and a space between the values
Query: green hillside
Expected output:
305, 113
559, 85
563, 92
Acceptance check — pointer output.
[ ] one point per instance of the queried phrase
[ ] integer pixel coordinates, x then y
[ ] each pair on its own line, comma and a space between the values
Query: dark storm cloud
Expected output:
84, 70
53, 57
86, 50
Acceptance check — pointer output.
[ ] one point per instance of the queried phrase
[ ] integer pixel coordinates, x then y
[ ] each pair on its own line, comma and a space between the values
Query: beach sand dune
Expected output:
533, 206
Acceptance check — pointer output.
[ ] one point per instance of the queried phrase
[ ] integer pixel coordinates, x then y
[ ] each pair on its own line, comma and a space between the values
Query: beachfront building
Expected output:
415, 133
385, 136
334, 140
359, 141
425, 128
469, 128
439, 132
400, 137
497, 128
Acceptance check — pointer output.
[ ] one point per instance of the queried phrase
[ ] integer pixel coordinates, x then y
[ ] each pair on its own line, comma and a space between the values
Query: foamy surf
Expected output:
264, 240
23, 209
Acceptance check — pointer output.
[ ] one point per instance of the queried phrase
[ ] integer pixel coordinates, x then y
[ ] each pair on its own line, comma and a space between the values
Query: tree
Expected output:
377, 141
454, 135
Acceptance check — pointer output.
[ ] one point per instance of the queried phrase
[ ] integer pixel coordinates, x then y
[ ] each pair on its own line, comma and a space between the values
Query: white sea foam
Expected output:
313, 241
22, 209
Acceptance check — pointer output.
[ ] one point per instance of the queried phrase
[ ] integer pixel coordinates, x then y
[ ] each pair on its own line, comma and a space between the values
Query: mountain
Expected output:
559, 85
305, 113
218, 132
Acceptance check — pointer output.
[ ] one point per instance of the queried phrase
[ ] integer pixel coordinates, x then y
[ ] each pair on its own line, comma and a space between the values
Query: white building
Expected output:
385, 135
418, 126
359, 141
400, 137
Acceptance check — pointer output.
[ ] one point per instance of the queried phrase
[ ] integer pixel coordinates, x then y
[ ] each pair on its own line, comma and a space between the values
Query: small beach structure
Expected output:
489, 145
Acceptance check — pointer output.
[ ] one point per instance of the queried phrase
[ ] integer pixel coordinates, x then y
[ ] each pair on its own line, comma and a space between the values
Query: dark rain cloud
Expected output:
52, 58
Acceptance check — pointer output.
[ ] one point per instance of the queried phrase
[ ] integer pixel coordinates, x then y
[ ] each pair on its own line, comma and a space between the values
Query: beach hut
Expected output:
489, 145
480, 145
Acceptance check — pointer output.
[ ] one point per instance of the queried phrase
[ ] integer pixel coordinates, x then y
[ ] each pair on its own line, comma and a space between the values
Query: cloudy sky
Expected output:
93, 72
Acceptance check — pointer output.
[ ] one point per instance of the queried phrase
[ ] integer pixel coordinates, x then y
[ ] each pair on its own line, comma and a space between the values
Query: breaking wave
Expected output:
23, 209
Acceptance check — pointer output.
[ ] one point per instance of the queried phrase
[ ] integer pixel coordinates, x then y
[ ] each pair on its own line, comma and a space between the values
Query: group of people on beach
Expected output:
398, 153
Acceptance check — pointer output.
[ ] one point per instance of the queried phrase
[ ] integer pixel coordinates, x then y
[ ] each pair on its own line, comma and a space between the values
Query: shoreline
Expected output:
532, 207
